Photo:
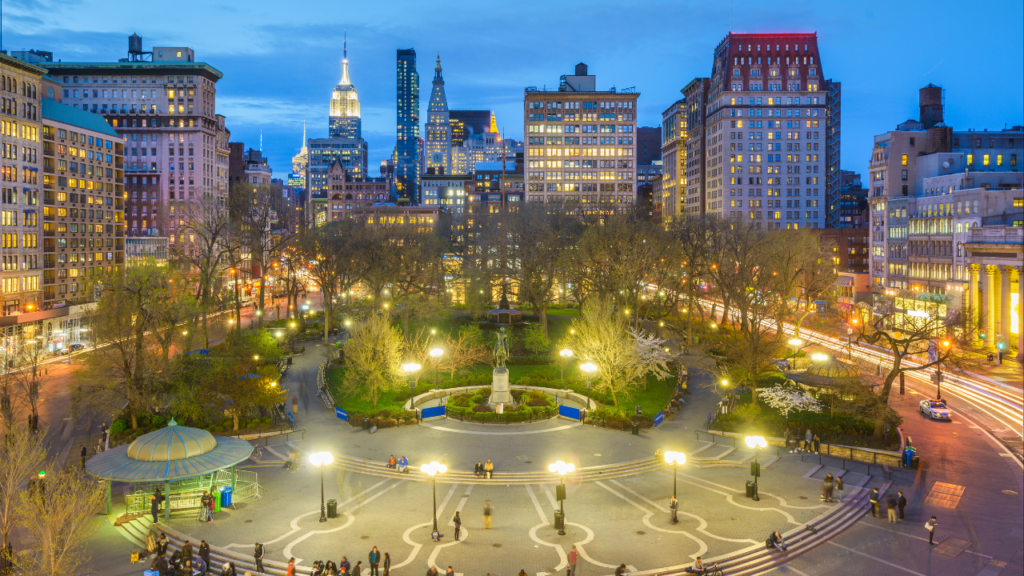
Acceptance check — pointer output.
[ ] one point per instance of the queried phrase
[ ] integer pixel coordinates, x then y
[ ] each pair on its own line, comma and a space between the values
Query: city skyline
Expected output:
289, 76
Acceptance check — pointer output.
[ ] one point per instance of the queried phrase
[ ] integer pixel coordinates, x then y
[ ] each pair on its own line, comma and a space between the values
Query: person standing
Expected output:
85, 452
930, 526
890, 508
374, 561
291, 567
186, 551
387, 564
789, 437
161, 545
458, 525
826, 489
204, 506
673, 510
357, 570
154, 505
257, 555
808, 438
344, 564
816, 442
839, 489
901, 503
573, 557
874, 503
204, 553
488, 512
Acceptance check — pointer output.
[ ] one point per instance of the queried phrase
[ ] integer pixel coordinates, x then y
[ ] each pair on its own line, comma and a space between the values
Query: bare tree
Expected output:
23, 453
328, 252
203, 242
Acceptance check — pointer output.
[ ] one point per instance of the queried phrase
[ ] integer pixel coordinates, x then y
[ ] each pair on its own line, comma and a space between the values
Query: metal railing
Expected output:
321, 384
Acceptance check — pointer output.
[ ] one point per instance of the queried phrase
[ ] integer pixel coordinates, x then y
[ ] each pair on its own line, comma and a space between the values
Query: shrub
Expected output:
118, 427
157, 421
482, 408
544, 403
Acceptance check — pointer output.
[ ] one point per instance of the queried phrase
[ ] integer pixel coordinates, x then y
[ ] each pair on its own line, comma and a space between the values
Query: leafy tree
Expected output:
242, 385
788, 399
374, 356
535, 339
59, 520
23, 453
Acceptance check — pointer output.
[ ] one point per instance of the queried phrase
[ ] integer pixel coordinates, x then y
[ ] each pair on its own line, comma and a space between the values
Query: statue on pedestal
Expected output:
501, 350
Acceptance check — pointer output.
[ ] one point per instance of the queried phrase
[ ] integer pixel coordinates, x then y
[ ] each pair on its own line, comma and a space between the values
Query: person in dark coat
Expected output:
449, 572
357, 570
344, 565
890, 508
161, 545
257, 555
204, 553
457, 520
902, 503
374, 562
621, 570
154, 505
387, 564
432, 571
478, 470
186, 551
331, 568
874, 502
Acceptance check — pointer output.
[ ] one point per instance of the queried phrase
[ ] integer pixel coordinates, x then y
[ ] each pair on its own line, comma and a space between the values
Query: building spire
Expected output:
437, 69
344, 64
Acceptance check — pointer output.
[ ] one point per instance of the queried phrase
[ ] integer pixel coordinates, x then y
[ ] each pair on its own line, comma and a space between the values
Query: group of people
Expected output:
206, 507
485, 470
400, 465
185, 562
376, 560
832, 489
811, 442
894, 506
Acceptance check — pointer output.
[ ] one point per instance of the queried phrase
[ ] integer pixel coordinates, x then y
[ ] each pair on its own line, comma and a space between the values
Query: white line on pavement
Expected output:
859, 553
861, 522
555, 429
563, 560
702, 548
416, 546
703, 524
998, 443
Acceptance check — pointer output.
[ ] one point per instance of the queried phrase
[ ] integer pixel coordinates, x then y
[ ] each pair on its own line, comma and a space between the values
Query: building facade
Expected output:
696, 98
83, 209
581, 143
22, 176
165, 110
771, 132
407, 145
853, 201
345, 120
348, 196
648, 145
670, 201
438, 129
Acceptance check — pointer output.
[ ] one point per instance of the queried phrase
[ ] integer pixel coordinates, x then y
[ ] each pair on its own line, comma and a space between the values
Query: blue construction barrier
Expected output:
341, 414
659, 418
432, 412
569, 412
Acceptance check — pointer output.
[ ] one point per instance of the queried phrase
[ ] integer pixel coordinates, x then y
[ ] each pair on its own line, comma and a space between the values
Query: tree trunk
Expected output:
135, 420
543, 313
263, 292
328, 312
883, 403
725, 309
615, 397
406, 312
234, 419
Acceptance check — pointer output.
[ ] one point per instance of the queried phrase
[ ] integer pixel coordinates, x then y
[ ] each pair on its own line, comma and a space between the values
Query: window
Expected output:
903, 161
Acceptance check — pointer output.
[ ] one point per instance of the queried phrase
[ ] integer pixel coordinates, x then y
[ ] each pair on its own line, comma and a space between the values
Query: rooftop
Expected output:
53, 110
145, 67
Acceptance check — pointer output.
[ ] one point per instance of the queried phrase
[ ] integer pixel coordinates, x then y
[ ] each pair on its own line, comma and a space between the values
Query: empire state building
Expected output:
344, 120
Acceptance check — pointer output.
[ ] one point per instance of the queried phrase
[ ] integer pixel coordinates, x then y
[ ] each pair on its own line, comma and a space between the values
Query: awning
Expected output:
844, 281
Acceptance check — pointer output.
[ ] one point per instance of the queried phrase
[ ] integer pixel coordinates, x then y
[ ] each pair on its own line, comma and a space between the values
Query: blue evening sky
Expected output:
282, 59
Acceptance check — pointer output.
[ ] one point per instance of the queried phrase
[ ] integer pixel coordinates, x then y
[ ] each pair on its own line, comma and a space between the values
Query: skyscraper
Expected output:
407, 144
345, 121
439, 127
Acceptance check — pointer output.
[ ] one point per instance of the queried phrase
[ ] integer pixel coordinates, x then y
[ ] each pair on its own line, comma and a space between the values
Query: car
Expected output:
72, 348
936, 410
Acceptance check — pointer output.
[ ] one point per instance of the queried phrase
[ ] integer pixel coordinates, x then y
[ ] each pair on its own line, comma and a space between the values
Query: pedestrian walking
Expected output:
901, 503
449, 572
890, 508
291, 567
387, 564
374, 561
458, 525
673, 510
839, 489
874, 502
85, 452
930, 526
257, 555
573, 557
357, 570
808, 438
816, 443
212, 507
488, 512
789, 438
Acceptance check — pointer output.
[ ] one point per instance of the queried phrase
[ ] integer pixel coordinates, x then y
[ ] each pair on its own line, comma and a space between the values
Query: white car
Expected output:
936, 410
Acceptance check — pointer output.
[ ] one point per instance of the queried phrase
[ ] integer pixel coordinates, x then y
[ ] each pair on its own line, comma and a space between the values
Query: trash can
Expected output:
750, 489
332, 508
216, 500
915, 462
289, 360
225, 497
559, 520
366, 423
636, 428
909, 453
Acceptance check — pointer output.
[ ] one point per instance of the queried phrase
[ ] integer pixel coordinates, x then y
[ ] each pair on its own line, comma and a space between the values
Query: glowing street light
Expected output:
796, 342
562, 469
588, 369
819, 357
565, 354
757, 443
411, 369
320, 460
432, 470
674, 459
436, 355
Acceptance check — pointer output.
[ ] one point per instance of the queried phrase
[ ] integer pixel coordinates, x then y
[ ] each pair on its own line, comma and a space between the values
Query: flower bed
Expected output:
472, 406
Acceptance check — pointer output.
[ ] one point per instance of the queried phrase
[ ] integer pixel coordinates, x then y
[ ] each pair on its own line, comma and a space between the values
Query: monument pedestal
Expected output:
500, 393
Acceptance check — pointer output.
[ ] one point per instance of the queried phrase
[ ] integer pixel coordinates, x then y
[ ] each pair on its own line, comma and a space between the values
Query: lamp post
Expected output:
436, 355
320, 460
561, 469
757, 443
410, 370
565, 354
432, 470
938, 374
588, 369
674, 459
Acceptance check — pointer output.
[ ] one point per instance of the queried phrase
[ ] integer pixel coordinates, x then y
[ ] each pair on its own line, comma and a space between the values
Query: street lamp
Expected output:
432, 470
757, 443
938, 375
562, 469
436, 355
588, 369
410, 370
674, 459
565, 354
819, 357
320, 460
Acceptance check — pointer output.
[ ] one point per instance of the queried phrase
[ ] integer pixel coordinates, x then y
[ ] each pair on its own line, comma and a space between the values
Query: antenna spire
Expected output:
346, 43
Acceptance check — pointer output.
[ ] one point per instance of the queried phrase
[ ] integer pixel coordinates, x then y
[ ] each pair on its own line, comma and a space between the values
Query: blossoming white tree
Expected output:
787, 400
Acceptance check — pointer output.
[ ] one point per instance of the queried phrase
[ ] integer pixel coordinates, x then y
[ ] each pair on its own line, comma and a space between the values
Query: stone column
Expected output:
973, 305
990, 308
1020, 314
1004, 306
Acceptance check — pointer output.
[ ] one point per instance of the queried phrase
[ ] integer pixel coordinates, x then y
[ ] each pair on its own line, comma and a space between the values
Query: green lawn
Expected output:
386, 401
565, 312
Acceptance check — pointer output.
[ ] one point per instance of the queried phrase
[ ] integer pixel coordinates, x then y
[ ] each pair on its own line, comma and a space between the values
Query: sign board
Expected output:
659, 418
432, 412
291, 419
341, 414
933, 352
569, 412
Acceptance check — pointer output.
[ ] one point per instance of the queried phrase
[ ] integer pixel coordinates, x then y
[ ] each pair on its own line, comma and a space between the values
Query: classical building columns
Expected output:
973, 306
1020, 314
990, 308
1005, 336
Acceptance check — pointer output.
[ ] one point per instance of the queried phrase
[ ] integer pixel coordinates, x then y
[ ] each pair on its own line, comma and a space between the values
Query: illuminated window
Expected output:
903, 160
984, 160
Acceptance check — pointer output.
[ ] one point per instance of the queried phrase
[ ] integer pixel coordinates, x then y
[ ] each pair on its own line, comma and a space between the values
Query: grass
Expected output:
385, 401
566, 312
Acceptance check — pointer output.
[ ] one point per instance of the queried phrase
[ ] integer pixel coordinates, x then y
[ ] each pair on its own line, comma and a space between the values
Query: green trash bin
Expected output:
216, 500
332, 508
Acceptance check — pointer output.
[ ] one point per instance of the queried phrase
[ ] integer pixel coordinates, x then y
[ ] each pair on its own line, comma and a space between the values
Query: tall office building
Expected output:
648, 145
696, 96
771, 132
163, 103
345, 121
407, 162
581, 143
438, 127
671, 201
